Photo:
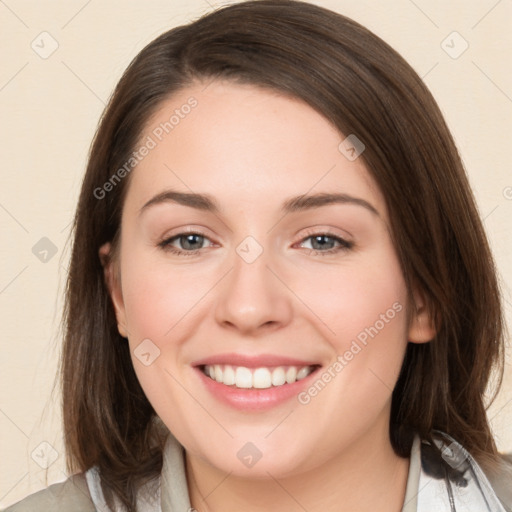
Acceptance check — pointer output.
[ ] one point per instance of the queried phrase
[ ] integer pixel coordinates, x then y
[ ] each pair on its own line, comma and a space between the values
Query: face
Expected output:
257, 284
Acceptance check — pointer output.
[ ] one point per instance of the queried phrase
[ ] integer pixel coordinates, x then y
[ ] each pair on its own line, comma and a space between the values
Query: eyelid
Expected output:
327, 230
344, 243
165, 242
186, 230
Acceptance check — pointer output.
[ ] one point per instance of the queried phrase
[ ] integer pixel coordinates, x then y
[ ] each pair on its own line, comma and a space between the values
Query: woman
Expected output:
280, 294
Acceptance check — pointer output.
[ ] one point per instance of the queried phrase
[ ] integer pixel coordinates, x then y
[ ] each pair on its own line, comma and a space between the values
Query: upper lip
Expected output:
252, 361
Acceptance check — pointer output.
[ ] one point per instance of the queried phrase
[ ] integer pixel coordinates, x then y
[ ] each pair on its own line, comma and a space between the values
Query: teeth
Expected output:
243, 377
291, 375
262, 378
278, 377
229, 376
258, 378
303, 372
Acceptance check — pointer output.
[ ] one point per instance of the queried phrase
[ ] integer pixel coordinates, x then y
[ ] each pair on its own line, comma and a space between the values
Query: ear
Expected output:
422, 328
111, 275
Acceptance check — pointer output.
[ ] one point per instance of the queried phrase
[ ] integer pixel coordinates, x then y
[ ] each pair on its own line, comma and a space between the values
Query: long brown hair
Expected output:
363, 87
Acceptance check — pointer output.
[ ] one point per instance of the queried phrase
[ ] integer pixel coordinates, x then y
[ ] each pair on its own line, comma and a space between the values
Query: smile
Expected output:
254, 382
242, 377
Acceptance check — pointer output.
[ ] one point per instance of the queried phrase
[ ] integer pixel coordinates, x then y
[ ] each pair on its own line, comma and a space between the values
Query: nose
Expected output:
252, 299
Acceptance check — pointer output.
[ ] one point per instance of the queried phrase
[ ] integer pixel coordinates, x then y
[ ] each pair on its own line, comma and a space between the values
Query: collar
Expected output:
175, 496
451, 480
443, 477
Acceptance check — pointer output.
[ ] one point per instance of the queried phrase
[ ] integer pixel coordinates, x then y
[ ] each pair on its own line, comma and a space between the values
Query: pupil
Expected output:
189, 241
318, 239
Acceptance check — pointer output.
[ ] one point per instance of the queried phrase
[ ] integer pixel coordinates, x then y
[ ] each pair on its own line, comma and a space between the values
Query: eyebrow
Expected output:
306, 202
295, 204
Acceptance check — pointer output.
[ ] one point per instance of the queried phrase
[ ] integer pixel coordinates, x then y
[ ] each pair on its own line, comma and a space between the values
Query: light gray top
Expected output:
448, 480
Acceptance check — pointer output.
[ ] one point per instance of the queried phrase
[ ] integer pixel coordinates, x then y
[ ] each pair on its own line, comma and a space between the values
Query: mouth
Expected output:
254, 383
241, 377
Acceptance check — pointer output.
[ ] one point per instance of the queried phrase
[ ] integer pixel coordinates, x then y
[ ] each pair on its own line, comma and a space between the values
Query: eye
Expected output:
190, 243
327, 243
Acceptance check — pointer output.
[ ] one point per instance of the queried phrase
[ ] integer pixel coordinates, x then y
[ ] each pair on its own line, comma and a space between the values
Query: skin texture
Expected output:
251, 149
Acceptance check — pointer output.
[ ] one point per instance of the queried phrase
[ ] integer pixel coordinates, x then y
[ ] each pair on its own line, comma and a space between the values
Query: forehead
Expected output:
246, 145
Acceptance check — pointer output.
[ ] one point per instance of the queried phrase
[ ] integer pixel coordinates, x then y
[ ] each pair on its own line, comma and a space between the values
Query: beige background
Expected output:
49, 110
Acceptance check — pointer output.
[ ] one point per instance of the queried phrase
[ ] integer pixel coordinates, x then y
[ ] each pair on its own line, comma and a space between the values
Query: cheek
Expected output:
362, 314
352, 304
159, 304
159, 298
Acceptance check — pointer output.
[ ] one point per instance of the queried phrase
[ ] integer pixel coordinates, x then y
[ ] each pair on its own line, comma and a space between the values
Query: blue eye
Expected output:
189, 243
326, 243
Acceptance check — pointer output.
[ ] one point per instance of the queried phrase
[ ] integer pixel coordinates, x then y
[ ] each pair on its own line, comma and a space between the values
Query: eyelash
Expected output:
344, 245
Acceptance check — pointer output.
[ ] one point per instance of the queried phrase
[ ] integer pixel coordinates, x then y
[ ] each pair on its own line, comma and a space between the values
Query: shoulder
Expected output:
72, 495
455, 477
501, 481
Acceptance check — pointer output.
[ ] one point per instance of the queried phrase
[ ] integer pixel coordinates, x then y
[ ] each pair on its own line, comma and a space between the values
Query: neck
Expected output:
365, 477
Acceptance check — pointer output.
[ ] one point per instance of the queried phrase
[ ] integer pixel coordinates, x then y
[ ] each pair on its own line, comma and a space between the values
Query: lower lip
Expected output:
254, 399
